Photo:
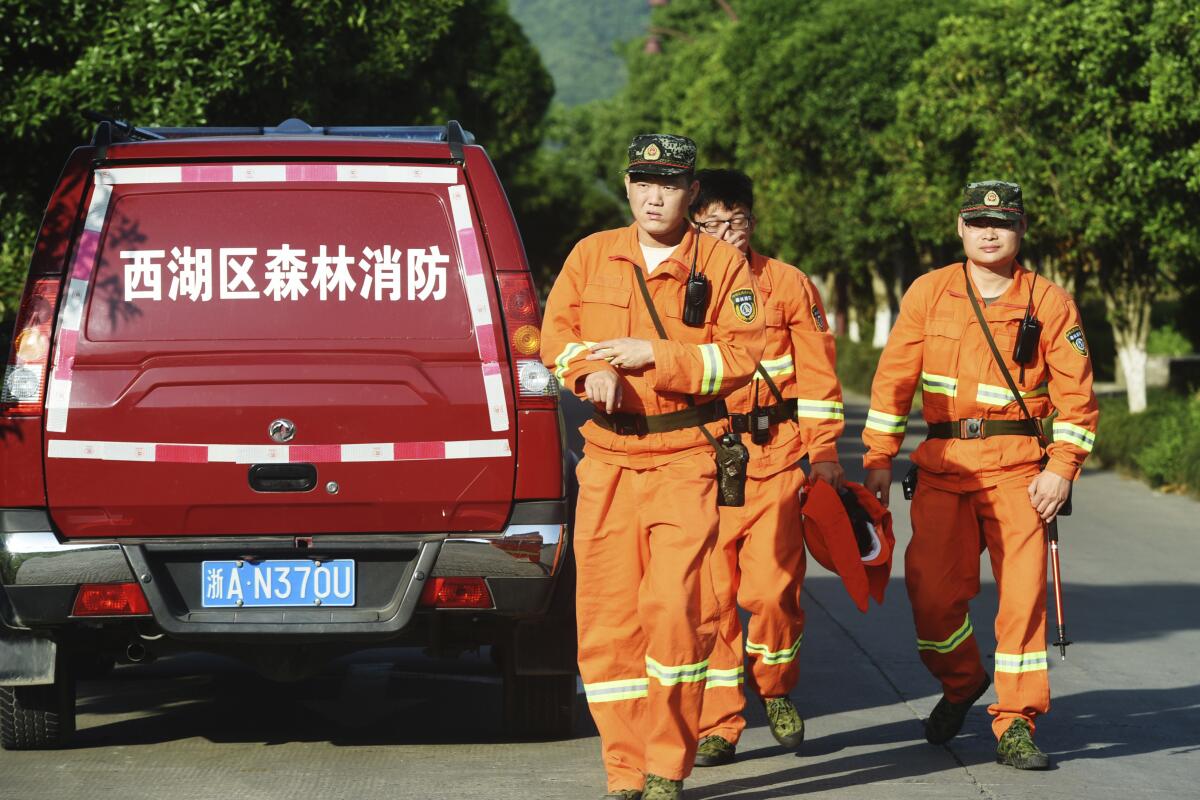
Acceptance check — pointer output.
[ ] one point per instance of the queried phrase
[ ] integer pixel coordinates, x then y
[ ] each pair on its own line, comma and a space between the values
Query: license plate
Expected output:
294, 582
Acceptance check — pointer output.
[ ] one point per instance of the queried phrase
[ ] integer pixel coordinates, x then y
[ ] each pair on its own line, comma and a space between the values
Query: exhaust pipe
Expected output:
136, 652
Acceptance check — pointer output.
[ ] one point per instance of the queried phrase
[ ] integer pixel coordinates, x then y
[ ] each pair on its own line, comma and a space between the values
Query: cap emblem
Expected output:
991, 199
651, 153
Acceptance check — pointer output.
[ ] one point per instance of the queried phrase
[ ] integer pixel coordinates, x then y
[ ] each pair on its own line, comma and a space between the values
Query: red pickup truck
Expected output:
275, 393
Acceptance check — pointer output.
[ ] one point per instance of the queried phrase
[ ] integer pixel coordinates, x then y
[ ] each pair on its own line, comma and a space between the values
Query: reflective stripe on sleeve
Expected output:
1075, 434
886, 423
820, 409
714, 369
951, 642
716, 678
562, 364
610, 691
1017, 663
939, 384
671, 675
774, 657
778, 367
1002, 395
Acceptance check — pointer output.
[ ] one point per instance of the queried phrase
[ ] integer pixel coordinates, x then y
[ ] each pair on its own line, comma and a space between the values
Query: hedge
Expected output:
1160, 445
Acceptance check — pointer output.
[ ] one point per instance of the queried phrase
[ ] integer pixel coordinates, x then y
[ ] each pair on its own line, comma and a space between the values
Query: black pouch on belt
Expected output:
732, 459
732, 455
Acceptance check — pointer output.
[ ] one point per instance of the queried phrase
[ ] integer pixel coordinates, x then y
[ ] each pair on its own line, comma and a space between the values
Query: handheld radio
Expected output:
1028, 335
695, 295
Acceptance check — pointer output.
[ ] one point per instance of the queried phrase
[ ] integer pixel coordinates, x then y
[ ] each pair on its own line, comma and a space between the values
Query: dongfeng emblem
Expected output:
282, 430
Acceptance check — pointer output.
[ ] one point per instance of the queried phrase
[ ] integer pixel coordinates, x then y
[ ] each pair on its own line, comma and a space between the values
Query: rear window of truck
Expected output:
219, 261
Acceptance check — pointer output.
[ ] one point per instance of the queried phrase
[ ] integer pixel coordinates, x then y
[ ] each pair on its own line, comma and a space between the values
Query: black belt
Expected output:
640, 425
775, 414
977, 428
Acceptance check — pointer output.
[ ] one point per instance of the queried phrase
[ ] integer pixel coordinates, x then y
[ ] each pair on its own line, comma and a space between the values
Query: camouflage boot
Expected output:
785, 722
1016, 748
624, 794
947, 718
714, 751
662, 789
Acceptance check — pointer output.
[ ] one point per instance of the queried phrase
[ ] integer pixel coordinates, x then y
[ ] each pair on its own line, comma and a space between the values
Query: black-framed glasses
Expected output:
715, 226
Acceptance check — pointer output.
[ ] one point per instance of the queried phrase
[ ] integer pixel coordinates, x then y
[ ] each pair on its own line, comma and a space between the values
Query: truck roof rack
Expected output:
116, 131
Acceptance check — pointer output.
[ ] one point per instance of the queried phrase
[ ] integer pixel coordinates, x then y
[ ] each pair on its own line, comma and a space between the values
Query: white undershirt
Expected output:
655, 256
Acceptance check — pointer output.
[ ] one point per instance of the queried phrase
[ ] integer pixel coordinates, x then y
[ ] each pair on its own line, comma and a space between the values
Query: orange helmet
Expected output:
850, 534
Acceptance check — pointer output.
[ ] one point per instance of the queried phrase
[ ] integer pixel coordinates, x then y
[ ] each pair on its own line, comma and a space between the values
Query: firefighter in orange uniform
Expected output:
759, 561
646, 520
986, 477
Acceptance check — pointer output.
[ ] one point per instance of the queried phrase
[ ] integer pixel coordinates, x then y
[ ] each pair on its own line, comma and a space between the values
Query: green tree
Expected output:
800, 96
258, 62
1081, 102
578, 41
824, 94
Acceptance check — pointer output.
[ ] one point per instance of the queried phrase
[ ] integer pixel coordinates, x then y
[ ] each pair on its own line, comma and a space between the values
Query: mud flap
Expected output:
27, 661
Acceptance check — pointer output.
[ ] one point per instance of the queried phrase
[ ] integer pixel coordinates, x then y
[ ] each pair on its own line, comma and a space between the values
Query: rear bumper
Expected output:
40, 575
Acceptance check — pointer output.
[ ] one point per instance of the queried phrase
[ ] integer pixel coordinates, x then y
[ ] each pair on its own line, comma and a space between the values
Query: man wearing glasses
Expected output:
793, 407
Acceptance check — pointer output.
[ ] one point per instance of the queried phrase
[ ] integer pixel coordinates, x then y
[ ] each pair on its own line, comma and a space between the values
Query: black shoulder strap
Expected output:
641, 279
987, 334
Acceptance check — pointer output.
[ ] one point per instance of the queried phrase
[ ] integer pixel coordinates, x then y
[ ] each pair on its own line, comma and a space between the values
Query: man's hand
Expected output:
1047, 493
603, 388
624, 353
879, 483
829, 471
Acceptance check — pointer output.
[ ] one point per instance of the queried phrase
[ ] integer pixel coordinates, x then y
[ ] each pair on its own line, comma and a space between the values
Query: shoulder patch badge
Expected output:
1075, 337
819, 318
744, 304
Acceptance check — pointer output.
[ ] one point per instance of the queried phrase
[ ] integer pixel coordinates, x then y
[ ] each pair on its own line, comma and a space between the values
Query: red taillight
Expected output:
110, 600
536, 387
456, 593
24, 390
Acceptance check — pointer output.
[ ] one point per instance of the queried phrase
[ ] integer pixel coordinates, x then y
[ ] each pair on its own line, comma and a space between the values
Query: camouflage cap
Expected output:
662, 154
995, 199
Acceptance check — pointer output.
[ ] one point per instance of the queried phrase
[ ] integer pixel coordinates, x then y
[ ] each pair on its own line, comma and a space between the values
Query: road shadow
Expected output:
378, 698
1106, 724
1110, 723
808, 776
1087, 725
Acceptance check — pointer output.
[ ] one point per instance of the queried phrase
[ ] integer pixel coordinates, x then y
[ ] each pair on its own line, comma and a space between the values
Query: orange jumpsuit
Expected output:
759, 561
646, 520
973, 493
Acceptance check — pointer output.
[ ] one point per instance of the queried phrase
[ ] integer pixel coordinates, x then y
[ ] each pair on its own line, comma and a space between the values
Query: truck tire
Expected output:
539, 706
38, 717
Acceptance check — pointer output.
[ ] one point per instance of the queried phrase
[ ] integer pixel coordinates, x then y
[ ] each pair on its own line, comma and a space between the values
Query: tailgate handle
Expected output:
283, 477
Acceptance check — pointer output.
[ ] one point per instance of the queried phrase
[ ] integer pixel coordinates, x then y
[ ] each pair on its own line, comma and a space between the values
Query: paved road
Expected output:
394, 724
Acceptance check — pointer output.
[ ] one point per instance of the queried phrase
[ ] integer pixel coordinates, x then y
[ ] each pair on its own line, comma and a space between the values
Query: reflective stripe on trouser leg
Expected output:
759, 561
772, 566
721, 714
941, 573
677, 508
609, 553
1016, 542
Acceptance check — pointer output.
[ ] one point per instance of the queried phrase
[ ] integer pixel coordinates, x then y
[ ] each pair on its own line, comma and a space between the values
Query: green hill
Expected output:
576, 39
